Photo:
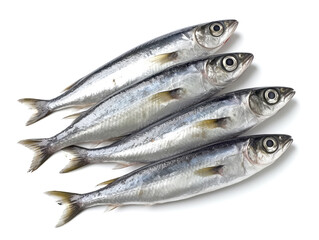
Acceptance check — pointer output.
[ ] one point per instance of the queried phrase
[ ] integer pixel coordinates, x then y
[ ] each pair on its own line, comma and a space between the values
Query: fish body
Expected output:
212, 120
149, 101
137, 64
202, 171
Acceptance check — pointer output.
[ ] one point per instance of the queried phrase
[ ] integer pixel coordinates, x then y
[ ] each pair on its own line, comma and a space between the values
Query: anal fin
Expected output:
111, 207
74, 115
125, 165
83, 106
107, 182
164, 58
72, 85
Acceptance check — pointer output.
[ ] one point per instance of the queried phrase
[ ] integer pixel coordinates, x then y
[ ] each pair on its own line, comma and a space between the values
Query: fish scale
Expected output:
212, 120
145, 103
134, 66
201, 171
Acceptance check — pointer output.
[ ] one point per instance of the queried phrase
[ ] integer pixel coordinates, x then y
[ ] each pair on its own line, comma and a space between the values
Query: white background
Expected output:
47, 45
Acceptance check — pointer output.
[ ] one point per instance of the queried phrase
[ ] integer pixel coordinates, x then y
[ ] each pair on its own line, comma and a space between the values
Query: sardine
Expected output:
147, 102
202, 171
135, 65
213, 120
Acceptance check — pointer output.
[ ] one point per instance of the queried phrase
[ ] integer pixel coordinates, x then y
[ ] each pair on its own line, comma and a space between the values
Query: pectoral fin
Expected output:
213, 123
165, 57
107, 182
166, 96
115, 139
209, 171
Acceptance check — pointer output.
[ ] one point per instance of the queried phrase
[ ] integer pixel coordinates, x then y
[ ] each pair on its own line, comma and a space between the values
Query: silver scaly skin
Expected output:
147, 102
213, 120
132, 67
202, 171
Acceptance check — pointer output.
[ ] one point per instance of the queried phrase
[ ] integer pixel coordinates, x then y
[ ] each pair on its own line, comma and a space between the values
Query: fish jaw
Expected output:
208, 38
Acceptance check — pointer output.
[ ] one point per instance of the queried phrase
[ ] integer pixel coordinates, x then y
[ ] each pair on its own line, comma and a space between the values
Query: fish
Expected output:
147, 102
202, 171
189, 43
215, 119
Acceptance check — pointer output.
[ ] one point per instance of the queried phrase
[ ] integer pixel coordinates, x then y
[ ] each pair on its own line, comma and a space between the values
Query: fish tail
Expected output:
42, 150
41, 107
72, 205
79, 159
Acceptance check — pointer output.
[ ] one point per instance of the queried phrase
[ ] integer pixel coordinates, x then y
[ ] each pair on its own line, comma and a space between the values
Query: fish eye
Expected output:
216, 29
229, 63
271, 96
270, 144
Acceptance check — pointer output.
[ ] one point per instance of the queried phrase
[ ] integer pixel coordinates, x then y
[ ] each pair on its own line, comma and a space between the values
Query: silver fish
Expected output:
135, 65
198, 172
147, 102
213, 120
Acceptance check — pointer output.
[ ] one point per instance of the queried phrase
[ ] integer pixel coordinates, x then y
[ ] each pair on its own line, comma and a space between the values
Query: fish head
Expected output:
264, 150
265, 102
226, 68
214, 35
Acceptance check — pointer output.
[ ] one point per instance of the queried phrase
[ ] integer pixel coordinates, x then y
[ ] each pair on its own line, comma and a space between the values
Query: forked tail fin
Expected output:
41, 149
41, 107
72, 206
79, 158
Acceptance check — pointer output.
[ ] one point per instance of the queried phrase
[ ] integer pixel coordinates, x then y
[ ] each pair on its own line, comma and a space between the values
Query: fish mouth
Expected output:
289, 94
287, 144
248, 60
231, 27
